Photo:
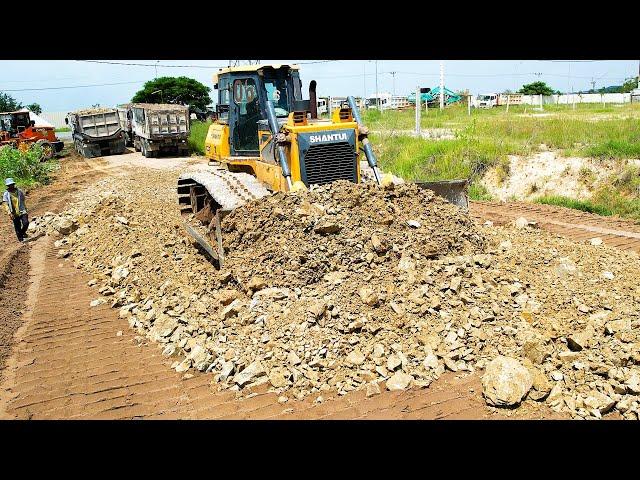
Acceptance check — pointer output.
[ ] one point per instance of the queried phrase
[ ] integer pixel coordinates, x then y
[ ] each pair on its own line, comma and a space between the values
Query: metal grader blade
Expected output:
454, 191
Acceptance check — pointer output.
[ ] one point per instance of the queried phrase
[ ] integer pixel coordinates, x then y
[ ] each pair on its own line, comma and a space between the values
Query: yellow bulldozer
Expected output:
266, 138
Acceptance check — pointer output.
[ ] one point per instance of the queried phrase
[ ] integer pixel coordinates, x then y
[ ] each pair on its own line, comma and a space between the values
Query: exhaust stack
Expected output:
313, 99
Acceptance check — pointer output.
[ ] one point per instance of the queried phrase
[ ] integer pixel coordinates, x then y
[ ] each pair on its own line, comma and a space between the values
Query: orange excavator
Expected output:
18, 130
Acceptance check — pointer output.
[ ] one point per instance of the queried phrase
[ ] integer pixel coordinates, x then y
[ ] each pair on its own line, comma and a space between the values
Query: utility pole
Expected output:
364, 80
593, 85
377, 92
156, 67
393, 74
441, 85
418, 110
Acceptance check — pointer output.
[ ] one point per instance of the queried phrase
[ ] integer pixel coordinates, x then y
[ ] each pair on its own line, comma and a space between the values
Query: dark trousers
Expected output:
21, 223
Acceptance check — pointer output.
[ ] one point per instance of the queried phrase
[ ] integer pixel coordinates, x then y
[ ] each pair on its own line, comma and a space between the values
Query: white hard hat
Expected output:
9, 181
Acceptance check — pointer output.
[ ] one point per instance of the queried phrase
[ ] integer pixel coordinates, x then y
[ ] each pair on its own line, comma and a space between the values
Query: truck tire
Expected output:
146, 152
47, 150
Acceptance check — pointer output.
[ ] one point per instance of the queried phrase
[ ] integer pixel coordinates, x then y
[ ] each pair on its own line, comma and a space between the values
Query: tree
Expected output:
536, 88
629, 84
35, 108
8, 103
179, 90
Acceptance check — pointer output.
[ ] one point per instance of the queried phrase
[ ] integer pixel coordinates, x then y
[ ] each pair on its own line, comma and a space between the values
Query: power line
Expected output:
72, 86
108, 62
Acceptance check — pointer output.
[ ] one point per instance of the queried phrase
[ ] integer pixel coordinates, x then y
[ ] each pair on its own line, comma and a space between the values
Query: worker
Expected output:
13, 198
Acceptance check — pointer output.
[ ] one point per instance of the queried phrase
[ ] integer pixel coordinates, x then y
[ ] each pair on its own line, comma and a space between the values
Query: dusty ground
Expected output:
73, 361
76, 362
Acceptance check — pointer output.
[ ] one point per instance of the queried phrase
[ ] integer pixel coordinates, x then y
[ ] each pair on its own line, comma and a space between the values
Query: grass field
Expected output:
487, 136
197, 136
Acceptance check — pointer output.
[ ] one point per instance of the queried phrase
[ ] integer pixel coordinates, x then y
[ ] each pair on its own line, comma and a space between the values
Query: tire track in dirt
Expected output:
86, 370
573, 224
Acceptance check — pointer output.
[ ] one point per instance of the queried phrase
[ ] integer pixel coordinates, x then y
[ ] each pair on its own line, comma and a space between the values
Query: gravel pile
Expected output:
353, 287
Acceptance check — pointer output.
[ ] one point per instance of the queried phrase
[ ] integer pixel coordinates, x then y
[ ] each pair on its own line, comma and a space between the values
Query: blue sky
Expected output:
336, 78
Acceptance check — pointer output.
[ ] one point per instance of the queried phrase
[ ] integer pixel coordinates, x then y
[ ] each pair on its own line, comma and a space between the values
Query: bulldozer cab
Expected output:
242, 100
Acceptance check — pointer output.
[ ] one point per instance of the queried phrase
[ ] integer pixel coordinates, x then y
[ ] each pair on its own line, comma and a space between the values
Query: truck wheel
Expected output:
47, 149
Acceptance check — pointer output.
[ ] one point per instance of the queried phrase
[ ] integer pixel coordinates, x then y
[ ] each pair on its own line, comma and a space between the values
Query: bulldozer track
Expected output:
235, 184
573, 224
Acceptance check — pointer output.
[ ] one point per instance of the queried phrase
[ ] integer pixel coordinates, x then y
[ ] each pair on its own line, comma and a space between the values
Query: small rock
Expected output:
430, 361
414, 223
356, 357
326, 226
373, 389
584, 308
282, 399
556, 375
122, 220
393, 362
399, 381
617, 326
607, 275
378, 350
578, 341
596, 241
293, 359
455, 284
277, 379
183, 366
254, 370
227, 370
535, 351
521, 222
119, 333
599, 401
256, 283
568, 356
95, 303
368, 296
632, 383
505, 245
231, 310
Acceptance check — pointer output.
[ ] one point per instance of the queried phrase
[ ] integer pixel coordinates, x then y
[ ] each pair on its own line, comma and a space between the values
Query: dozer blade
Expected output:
454, 191
202, 242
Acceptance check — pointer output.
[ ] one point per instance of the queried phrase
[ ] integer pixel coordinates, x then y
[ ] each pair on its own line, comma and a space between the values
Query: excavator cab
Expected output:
17, 129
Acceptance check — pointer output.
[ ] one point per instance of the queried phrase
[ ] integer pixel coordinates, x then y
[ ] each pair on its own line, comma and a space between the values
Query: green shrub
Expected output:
26, 168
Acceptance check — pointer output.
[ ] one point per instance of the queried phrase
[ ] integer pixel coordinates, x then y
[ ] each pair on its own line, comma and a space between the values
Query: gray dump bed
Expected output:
96, 123
160, 120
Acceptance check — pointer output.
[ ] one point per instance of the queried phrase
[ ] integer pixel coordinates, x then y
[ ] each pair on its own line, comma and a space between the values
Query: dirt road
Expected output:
73, 361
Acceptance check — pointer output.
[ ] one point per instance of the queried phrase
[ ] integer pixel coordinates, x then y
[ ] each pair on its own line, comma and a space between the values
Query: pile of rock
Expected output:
355, 287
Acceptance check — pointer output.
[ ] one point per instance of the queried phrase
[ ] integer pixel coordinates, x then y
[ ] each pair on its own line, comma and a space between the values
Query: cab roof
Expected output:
251, 68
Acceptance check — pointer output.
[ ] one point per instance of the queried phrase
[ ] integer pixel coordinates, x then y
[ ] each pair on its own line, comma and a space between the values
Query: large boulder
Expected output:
505, 382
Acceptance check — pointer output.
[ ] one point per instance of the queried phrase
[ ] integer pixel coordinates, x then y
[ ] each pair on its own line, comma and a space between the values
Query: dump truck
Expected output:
267, 138
96, 132
18, 130
125, 123
159, 128
498, 100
